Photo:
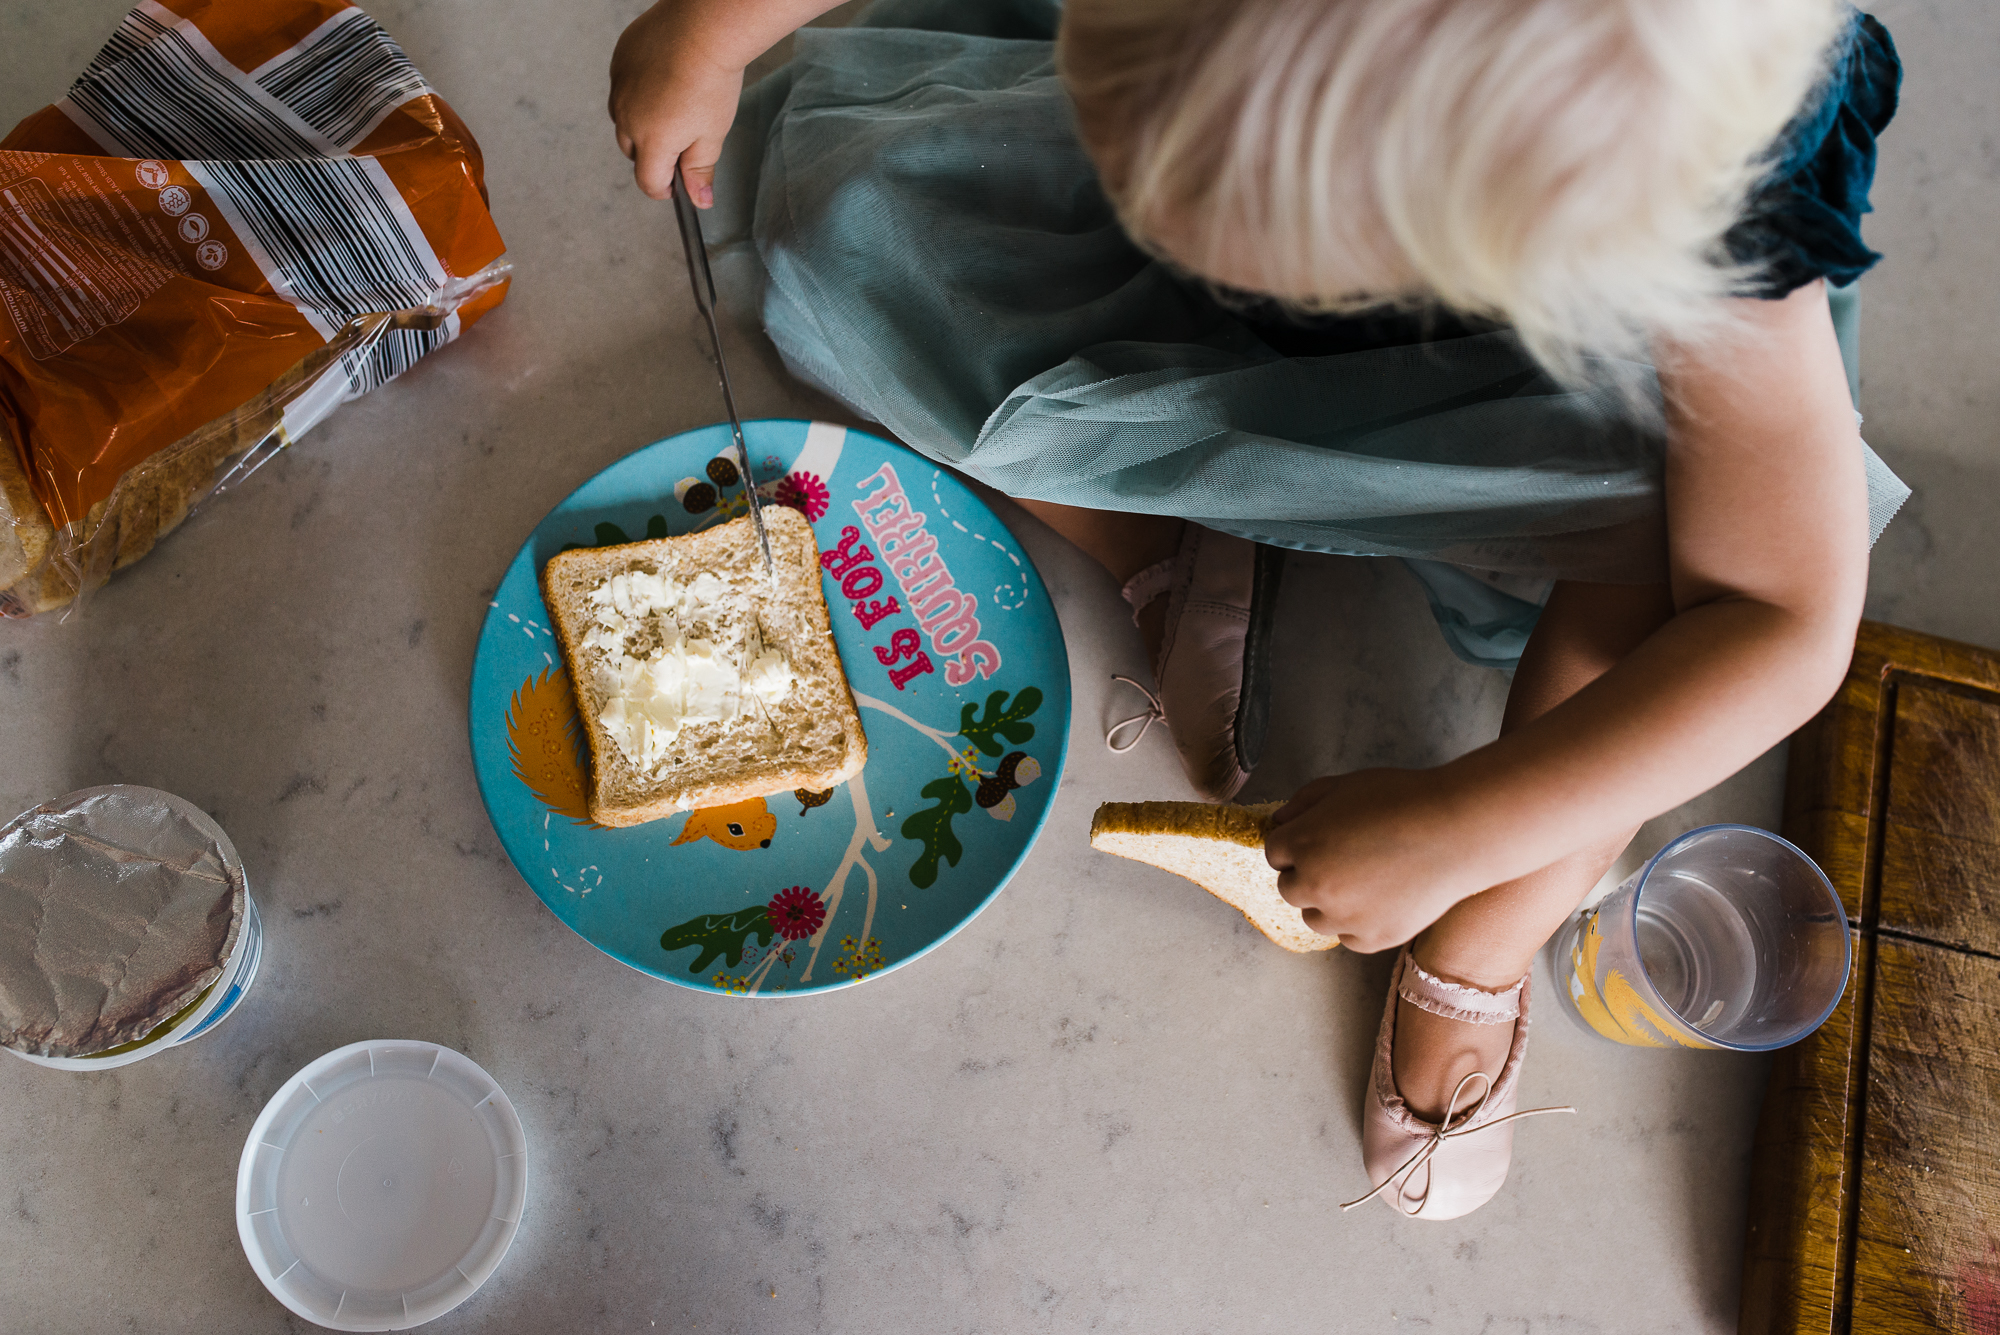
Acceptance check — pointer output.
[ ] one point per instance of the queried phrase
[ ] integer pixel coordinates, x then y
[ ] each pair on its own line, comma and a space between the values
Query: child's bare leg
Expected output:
1489, 940
1122, 542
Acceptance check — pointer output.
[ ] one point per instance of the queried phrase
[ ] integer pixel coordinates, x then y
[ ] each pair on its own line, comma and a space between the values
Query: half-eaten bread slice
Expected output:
1219, 848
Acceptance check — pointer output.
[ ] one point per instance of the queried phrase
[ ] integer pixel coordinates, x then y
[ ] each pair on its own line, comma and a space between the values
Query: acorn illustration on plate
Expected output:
722, 472
808, 799
695, 495
996, 791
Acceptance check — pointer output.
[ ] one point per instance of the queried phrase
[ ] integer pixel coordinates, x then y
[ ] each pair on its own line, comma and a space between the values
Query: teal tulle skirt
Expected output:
936, 253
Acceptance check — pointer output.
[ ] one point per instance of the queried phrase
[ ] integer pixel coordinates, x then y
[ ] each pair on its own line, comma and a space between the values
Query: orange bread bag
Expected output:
244, 213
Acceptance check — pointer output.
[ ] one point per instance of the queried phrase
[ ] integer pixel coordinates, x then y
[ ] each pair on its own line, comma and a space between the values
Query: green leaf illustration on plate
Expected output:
933, 826
610, 535
721, 934
1009, 721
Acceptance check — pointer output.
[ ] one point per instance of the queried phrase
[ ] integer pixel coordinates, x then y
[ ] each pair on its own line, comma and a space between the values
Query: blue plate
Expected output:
967, 715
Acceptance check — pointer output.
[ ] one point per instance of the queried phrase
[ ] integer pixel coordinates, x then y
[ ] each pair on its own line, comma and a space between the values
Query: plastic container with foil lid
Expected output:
125, 920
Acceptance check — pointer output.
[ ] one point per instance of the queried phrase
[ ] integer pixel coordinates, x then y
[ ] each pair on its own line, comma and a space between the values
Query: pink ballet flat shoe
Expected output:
1213, 667
1448, 1169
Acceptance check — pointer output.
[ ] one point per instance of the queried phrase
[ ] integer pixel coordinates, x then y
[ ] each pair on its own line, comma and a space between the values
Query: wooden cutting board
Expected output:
1875, 1185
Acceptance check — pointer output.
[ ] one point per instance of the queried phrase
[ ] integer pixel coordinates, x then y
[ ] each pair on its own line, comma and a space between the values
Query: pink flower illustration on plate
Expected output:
796, 913
805, 493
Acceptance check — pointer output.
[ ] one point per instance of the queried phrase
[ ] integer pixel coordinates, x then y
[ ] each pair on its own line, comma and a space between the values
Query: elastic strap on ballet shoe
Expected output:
1455, 1001
1148, 585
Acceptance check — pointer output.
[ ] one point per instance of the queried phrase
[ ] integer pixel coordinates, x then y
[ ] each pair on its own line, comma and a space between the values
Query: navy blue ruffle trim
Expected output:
1804, 222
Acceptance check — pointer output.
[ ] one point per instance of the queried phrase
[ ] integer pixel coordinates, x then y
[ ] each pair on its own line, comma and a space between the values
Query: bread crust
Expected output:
1246, 826
793, 542
1219, 848
25, 531
722, 795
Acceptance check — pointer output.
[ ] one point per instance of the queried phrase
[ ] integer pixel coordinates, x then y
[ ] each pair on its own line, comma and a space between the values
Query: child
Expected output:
1534, 289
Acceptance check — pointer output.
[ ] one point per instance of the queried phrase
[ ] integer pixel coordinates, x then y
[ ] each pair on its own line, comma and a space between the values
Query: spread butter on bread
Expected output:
1219, 848
700, 685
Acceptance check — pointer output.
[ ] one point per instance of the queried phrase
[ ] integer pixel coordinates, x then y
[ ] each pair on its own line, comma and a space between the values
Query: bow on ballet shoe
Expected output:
1155, 713
1445, 1131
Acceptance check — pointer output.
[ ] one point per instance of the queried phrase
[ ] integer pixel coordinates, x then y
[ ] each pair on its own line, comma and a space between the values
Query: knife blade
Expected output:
703, 283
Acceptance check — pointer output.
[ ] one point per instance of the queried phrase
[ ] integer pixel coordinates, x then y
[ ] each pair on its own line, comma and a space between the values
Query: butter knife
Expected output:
704, 300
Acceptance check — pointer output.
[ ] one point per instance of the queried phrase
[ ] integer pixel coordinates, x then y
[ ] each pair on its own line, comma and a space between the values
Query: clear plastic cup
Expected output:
1729, 938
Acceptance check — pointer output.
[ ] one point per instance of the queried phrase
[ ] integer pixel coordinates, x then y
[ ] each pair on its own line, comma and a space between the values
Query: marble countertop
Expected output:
1106, 1105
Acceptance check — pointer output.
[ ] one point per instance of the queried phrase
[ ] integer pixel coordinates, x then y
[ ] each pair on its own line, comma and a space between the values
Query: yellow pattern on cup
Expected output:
1621, 1013
1583, 980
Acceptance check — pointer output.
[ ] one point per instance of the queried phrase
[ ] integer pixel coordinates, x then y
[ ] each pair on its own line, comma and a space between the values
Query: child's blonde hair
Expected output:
1566, 166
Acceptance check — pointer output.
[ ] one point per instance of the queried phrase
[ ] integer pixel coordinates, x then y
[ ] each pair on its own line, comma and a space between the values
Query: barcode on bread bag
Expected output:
131, 35
160, 90
343, 78
395, 352
333, 237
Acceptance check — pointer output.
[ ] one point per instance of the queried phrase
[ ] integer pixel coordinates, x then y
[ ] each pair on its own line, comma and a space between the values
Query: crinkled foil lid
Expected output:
118, 905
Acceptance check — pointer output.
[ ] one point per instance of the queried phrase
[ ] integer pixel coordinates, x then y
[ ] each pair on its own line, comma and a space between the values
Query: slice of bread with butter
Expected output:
1219, 848
699, 685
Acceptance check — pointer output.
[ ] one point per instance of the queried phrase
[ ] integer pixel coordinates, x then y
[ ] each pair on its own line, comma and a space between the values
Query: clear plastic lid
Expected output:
381, 1185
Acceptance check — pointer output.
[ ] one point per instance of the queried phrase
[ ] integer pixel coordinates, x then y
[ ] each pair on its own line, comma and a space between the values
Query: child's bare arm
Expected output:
1767, 516
675, 78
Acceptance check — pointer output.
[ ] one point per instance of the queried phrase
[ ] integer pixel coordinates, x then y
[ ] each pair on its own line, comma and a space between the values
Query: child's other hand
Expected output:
1370, 857
671, 101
